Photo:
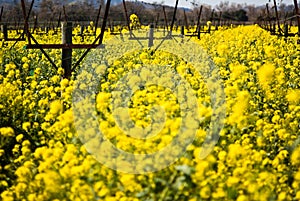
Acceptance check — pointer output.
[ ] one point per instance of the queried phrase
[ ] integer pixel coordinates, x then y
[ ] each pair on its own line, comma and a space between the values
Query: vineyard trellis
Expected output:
66, 45
270, 23
4, 29
66, 28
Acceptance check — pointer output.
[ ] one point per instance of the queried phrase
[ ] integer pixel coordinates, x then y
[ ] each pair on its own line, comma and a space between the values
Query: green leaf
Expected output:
185, 169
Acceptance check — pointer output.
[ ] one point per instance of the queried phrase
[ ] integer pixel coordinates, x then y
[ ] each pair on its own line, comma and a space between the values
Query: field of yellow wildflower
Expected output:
256, 157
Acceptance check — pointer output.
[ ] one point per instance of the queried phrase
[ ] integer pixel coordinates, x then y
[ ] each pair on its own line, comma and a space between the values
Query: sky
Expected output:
187, 3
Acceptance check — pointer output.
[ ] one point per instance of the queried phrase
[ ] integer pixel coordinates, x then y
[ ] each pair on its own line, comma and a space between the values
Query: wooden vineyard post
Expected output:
97, 20
186, 21
298, 16
174, 17
291, 21
151, 35
209, 28
277, 17
81, 29
269, 18
4, 31
198, 22
1, 13
81, 33
127, 18
166, 21
35, 23
182, 30
286, 30
58, 21
219, 21
66, 28
111, 26
212, 16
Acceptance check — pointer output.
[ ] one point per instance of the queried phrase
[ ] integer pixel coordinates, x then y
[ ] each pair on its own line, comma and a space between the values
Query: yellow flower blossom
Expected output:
7, 132
293, 96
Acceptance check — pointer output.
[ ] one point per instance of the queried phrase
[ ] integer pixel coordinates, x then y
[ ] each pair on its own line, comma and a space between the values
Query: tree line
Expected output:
49, 11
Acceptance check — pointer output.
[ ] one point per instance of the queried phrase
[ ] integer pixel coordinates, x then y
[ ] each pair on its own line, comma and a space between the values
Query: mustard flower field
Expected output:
257, 156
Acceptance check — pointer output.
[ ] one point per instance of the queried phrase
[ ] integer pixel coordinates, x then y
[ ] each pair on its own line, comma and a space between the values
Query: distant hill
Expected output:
147, 5
86, 10
91, 2
38, 2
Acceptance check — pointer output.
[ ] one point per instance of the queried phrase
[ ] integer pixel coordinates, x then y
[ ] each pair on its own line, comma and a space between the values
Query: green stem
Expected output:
167, 188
